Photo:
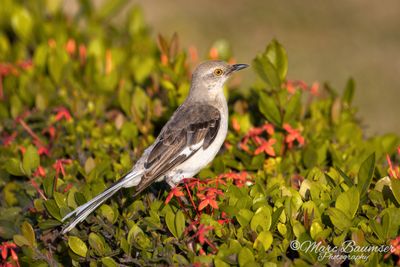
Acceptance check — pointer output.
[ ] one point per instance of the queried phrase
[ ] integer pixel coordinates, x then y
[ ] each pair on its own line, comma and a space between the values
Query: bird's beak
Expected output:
237, 67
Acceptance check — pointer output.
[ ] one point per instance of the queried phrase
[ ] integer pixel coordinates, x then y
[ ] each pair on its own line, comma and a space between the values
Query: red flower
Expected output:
22, 149
40, 172
175, 192
70, 46
266, 146
239, 179
393, 170
213, 54
63, 113
4, 247
269, 128
293, 135
290, 87
51, 131
207, 200
201, 233
395, 249
9, 139
314, 89
43, 151
82, 53
59, 166
235, 125
193, 54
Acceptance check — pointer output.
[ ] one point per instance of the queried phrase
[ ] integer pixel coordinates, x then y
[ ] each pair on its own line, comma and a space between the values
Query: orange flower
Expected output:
314, 89
82, 53
235, 125
293, 135
213, 53
70, 46
63, 113
164, 59
175, 192
266, 146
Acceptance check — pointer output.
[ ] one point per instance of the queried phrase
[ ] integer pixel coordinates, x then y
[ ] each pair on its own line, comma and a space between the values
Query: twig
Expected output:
30, 132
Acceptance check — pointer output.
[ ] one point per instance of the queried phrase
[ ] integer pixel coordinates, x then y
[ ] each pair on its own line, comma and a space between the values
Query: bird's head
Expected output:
211, 75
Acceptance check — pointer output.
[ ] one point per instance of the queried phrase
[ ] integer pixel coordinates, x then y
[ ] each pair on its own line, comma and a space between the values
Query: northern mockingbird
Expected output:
186, 144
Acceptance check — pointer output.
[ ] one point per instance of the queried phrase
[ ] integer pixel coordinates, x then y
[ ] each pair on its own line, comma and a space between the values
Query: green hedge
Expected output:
82, 96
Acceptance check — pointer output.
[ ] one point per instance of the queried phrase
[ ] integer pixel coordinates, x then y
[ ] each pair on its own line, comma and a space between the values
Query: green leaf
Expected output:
124, 98
107, 212
244, 217
349, 92
245, 256
109, 8
365, 174
14, 167
21, 240
21, 22
175, 223
16, 105
53, 209
261, 219
109, 262
140, 102
292, 109
179, 223
277, 55
346, 178
97, 243
348, 202
275, 217
220, 263
339, 219
395, 184
269, 109
265, 238
31, 160
28, 233
48, 224
267, 71
77, 246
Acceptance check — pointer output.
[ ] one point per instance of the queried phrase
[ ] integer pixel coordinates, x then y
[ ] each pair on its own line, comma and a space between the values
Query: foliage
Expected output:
82, 96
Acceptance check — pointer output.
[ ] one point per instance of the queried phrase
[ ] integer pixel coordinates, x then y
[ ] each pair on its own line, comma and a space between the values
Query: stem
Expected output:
30, 132
34, 184
191, 198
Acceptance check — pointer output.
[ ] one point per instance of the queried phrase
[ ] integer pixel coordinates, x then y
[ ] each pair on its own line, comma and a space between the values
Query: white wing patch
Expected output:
189, 150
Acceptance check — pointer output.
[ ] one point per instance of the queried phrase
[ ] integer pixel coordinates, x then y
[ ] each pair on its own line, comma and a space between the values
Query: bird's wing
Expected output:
190, 128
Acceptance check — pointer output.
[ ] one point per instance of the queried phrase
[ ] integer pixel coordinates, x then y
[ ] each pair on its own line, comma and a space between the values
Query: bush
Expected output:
82, 96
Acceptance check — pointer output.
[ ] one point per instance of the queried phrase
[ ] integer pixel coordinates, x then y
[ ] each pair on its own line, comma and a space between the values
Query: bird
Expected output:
188, 142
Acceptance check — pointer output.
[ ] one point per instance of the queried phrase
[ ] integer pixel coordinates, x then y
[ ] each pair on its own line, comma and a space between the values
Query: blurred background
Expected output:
327, 41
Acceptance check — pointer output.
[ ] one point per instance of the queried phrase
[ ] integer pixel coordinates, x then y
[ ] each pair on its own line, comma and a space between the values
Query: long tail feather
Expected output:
81, 212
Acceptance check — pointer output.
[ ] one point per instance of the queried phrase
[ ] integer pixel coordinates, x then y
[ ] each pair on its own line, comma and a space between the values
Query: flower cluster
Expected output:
43, 142
292, 85
5, 247
203, 196
395, 244
266, 145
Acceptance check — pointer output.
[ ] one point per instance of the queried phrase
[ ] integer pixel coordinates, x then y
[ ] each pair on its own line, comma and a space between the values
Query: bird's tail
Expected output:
81, 212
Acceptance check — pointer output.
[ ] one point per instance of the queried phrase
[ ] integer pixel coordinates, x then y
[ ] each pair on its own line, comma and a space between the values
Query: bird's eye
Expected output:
218, 72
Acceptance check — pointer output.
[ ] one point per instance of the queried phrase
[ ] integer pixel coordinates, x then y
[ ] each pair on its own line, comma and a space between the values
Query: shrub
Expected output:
83, 96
